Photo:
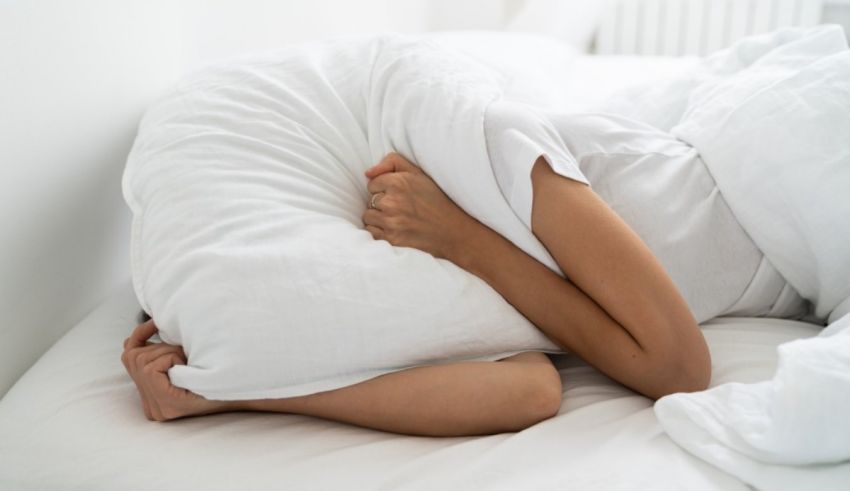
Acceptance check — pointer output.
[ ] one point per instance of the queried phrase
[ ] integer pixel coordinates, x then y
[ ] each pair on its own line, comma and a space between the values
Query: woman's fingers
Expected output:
377, 233
174, 402
392, 162
140, 335
381, 167
149, 353
383, 183
408, 209
140, 359
375, 218
148, 365
375, 201
375, 222
147, 408
400, 171
157, 384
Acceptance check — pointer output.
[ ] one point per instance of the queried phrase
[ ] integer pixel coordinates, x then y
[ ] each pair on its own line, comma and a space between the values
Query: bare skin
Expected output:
617, 309
474, 398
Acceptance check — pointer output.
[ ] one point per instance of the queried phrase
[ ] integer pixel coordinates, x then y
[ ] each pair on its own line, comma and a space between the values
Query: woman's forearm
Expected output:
622, 313
558, 308
471, 398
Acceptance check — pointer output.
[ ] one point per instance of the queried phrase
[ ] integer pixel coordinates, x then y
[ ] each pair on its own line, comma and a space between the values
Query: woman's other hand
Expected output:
148, 364
408, 209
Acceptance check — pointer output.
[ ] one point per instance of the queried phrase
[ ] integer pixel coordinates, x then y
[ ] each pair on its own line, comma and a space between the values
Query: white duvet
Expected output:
787, 433
771, 119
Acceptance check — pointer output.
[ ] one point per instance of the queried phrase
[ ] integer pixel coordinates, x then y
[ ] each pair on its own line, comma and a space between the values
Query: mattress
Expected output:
74, 421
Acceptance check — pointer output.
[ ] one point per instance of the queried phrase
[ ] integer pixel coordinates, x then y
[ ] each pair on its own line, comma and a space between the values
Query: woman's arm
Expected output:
651, 343
458, 399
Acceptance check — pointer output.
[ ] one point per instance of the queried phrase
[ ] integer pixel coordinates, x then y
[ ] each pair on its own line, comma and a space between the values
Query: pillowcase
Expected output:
532, 68
247, 190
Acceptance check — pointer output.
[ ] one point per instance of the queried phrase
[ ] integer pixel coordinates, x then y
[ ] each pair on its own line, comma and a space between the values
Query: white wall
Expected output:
75, 77
216, 29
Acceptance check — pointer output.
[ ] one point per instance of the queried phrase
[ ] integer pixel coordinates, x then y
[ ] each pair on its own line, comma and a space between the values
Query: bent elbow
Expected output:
694, 377
542, 397
685, 374
684, 367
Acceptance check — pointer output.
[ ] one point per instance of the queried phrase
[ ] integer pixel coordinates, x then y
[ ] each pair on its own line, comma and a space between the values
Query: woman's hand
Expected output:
408, 209
148, 364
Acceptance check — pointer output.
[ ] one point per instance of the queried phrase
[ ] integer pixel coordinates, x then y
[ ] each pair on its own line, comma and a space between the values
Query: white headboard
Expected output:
695, 27
698, 27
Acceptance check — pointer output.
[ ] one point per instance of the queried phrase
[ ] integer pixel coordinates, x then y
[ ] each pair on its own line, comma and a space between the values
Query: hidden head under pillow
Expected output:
247, 189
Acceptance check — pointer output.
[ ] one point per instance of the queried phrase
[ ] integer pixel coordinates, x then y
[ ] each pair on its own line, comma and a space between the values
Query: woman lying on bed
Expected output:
618, 310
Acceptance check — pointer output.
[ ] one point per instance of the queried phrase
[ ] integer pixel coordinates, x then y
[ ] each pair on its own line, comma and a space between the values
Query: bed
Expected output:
74, 420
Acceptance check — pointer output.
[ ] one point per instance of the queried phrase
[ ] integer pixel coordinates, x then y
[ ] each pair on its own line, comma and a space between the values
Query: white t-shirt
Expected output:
657, 184
517, 135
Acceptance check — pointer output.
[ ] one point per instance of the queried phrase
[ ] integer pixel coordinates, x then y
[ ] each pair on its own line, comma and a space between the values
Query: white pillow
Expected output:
776, 138
534, 68
248, 249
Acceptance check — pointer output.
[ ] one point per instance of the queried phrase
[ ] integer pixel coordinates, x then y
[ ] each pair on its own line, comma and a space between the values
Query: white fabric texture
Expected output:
247, 190
772, 124
641, 172
75, 421
787, 433
516, 137
775, 137
532, 69
770, 116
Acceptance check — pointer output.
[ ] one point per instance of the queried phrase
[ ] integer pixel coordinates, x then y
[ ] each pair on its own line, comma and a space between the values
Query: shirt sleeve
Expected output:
517, 135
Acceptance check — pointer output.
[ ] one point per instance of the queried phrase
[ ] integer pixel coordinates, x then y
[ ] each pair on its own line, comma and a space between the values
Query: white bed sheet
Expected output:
74, 421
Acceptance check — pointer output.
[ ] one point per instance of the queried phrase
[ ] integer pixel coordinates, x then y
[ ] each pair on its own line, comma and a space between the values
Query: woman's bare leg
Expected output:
471, 398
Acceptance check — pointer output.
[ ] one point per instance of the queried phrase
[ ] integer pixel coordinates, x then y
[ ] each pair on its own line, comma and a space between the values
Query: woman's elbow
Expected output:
686, 367
691, 374
541, 398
